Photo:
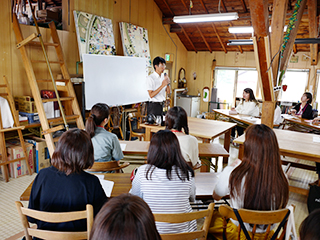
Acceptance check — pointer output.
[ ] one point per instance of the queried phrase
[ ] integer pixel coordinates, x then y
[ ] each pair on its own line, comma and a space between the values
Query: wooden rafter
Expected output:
244, 6
295, 48
223, 6
204, 6
312, 13
235, 37
277, 23
167, 5
184, 4
184, 32
203, 38
218, 36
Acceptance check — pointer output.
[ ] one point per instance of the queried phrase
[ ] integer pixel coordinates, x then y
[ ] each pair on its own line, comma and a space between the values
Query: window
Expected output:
296, 80
230, 83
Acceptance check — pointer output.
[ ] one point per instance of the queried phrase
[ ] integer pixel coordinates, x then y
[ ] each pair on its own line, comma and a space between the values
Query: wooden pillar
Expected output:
313, 31
268, 113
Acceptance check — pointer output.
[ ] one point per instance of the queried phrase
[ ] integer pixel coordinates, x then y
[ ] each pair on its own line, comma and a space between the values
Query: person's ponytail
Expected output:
91, 125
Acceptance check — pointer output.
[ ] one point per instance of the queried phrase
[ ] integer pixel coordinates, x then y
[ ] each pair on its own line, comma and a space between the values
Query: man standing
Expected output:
157, 86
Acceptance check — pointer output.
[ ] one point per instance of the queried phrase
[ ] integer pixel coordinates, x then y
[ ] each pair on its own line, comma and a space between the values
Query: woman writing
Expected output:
166, 178
176, 120
304, 109
106, 144
64, 186
248, 106
257, 182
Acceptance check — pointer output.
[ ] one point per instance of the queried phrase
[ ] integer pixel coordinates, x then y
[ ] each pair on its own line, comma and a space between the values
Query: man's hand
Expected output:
165, 81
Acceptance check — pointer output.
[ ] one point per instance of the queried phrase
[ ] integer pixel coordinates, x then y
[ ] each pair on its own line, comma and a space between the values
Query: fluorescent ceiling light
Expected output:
236, 42
247, 29
206, 17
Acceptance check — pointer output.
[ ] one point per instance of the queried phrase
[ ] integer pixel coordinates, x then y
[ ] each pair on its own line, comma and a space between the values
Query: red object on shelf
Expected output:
284, 87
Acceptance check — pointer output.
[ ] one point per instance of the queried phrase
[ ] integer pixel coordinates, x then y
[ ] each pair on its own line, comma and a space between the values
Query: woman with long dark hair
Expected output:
176, 121
166, 182
257, 182
304, 109
106, 144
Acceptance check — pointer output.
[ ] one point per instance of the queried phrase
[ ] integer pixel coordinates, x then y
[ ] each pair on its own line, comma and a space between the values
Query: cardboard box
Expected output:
19, 168
42, 156
25, 104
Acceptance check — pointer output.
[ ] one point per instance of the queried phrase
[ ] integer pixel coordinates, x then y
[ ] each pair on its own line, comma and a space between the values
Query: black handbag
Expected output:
313, 198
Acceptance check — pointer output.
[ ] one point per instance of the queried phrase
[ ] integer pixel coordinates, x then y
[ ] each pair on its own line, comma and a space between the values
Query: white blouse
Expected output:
248, 108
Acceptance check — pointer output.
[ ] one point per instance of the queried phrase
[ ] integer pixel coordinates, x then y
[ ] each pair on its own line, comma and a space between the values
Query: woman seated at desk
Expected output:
303, 109
257, 182
166, 182
248, 106
176, 120
106, 144
65, 187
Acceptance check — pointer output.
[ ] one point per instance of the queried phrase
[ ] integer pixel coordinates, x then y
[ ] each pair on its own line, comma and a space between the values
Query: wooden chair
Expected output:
185, 217
55, 217
256, 217
108, 166
139, 132
195, 167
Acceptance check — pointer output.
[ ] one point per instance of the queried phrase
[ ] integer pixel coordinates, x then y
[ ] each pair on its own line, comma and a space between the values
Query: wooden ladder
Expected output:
70, 111
16, 127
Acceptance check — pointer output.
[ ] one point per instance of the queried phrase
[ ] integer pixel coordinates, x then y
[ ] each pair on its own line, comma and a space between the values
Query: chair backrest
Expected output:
186, 217
255, 218
116, 116
55, 217
107, 166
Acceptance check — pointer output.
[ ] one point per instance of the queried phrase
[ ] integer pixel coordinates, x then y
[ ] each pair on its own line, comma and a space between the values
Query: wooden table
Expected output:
201, 128
293, 144
206, 150
241, 118
305, 123
205, 183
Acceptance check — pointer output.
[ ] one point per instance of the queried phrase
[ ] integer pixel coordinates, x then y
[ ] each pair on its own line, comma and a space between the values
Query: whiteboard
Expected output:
114, 80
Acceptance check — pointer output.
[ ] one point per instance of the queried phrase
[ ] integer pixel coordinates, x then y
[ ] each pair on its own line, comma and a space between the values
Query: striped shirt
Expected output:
166, 196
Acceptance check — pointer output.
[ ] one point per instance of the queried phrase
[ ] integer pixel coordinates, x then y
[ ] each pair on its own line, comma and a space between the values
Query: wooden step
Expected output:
43, 61
59, 119
11, 161
27, 40
55, 99
49, 80
3, 85
12, 129
37, 43
3, 94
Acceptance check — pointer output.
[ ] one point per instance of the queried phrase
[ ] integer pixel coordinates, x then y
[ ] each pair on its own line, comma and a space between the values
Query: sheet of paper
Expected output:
123, 146
100, 176
316, 139
107, 186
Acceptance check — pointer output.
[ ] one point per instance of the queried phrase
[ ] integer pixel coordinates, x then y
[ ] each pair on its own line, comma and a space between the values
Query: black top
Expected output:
54, 191
307, 111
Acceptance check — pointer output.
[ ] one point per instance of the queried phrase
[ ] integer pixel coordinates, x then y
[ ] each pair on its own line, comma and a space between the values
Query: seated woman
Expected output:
106, 144
64, 186
257, 182
303, 109
125, 217
309, 228
316, 120
166, 182
176, 120
248, 106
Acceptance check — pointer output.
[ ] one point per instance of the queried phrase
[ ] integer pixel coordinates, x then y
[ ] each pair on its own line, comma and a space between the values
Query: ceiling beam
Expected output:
244, 6
312, 13
203, 38
186, 35
219, 38
276, 36
288, 50
235, 37
295, 50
